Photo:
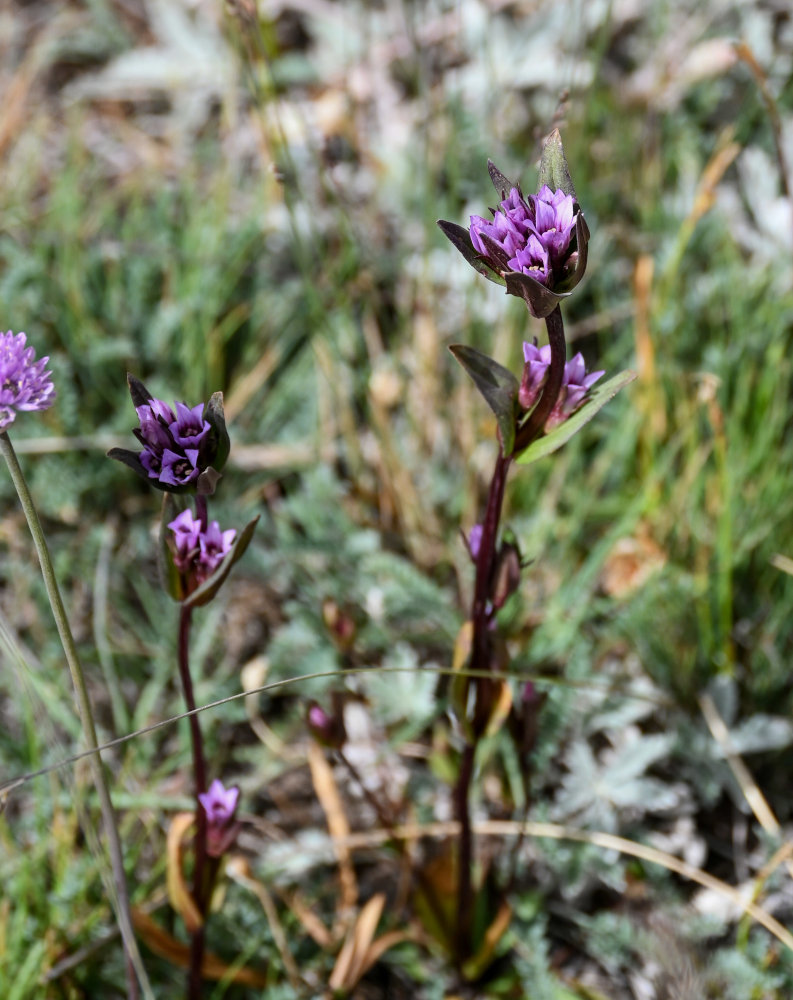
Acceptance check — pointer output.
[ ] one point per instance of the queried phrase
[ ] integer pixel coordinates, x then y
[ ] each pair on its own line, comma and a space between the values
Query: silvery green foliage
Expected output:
600, 789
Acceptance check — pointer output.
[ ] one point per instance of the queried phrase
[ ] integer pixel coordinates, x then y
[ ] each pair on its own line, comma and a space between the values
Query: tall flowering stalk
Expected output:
536, 247
183, 450
26, 385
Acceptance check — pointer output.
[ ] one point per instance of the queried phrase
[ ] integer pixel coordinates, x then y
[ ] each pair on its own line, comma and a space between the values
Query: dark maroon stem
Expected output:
200, 780
480, 661
534, 425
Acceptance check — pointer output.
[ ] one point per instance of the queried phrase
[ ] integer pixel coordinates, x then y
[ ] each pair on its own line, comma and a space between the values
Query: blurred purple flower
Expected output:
24, 384
197, 553
220, 804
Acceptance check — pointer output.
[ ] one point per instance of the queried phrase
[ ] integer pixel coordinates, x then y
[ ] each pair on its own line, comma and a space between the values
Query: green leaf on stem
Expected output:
560, 435
498, 386
170, 577
553, 166
204, 594
461, 240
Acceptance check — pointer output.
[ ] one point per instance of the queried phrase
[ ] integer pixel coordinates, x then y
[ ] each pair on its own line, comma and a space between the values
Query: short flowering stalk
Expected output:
25, 385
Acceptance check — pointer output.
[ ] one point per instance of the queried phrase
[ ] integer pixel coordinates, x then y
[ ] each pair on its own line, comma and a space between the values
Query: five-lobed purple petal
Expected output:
24, 383
219, 804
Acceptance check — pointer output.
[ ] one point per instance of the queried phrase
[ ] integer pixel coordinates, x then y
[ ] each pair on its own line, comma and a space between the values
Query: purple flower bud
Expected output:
535, 372
328, 730
475, 541
187, 533
576, 383
220, 805
24, 383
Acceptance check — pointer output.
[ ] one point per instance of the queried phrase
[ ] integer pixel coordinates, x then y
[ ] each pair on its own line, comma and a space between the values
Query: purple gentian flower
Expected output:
530, 235
576, 383
187, 532
219, 805
198, 552
189, 428
182, 450
24, 384
214, 545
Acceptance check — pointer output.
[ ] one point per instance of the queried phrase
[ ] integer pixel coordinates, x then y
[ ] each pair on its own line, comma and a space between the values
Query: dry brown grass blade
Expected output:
166, 946
178, 893
330, 800
312, 925
352, 961
239, 870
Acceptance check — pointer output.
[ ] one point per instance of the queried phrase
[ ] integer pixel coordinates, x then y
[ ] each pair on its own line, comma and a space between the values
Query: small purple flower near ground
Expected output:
197, 553
576, 383
24, 384
220, 805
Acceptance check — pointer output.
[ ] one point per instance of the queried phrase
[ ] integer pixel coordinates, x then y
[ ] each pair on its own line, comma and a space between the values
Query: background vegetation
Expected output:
215, 200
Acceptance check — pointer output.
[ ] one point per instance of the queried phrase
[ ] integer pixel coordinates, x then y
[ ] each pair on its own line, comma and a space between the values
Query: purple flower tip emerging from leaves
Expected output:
531, 235
576, 383
24, 384
197, 553
219, 803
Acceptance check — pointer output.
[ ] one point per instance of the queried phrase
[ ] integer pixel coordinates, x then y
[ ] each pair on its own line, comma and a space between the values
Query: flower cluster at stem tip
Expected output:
24, 383
198, 551
171, 441
532, 234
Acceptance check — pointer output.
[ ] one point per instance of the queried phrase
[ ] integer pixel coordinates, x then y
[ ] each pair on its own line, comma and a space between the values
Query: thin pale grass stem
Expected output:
134, 963
6, 787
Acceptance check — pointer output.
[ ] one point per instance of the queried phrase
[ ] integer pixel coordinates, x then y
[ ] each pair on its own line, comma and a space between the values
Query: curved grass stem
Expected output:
134, 964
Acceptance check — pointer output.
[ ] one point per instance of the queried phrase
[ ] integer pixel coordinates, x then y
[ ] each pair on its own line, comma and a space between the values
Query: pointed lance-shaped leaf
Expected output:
215, 417
498, 386
539, 298
170, 577
553, 166
579, 266
560, 435
138, 391
501, 183
204, 594
461, 240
